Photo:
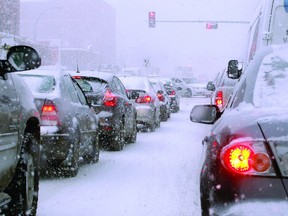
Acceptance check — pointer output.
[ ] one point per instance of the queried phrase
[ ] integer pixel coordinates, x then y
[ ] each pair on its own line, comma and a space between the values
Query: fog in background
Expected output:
178, 38
172, 44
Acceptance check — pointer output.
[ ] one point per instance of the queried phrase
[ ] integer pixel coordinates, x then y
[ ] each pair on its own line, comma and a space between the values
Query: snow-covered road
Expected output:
156, 176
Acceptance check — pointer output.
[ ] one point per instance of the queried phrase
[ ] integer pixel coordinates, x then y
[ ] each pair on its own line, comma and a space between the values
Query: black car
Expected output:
19, 134
117, 114
246, 155
69, 126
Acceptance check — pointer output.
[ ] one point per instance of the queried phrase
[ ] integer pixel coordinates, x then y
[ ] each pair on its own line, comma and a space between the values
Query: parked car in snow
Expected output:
69, 127
246, 154
117, 114
142, 94
20, 134
163, 98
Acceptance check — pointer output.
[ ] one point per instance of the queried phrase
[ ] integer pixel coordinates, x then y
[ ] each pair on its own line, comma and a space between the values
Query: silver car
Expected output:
142, 93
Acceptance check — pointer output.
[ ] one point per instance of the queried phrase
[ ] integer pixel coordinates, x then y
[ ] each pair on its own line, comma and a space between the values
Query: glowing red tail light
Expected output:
241, 158
77, 77
173, 92
144, 99
161, 97
110, 100
219, 98
49, 115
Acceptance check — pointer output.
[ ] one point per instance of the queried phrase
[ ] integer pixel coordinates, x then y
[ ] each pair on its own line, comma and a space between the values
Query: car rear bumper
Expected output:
54, 148
145, 115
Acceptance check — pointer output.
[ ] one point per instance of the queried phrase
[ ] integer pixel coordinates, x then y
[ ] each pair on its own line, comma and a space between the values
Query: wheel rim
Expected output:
30, 181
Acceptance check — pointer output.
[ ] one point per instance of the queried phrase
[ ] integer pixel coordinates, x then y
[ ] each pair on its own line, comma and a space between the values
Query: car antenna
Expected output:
77, 70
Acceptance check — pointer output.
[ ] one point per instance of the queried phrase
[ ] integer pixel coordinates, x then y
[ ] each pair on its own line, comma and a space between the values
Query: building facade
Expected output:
85, 25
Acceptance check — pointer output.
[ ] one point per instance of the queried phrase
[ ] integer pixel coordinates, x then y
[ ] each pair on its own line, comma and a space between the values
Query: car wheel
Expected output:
93, 155
25, 184
117, 140
188, 93
165, 116
71, 164
132, 138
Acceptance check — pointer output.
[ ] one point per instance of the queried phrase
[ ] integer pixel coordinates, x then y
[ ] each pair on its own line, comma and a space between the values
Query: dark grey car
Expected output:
69, 126
19, 135
117, 114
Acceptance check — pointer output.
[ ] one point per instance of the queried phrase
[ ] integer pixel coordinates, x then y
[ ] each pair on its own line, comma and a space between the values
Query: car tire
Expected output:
24, 188
93, 155
117, 140
132, 138
188, 93
71, 165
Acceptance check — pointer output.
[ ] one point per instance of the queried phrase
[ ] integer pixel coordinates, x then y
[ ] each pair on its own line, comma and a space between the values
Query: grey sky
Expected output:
172, 44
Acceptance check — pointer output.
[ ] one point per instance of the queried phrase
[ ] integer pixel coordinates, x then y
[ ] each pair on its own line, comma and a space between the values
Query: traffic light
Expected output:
212, 25
151, 19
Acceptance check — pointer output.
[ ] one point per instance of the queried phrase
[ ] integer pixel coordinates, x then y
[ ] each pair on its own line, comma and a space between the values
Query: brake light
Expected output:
144, 99
110, 100
49, 115
241, 158
219, 98
173, 92
77, 77
161, 97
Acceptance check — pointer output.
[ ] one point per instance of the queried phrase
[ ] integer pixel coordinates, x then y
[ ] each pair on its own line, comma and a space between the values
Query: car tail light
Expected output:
219, 98
110, 100
77, 77
144, 99
49, 115
246, 158
161, 97
173, 92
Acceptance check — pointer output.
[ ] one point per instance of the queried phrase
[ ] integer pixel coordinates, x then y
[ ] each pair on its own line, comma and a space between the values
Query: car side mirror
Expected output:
21, 58
233, 70
206, 114
210, 86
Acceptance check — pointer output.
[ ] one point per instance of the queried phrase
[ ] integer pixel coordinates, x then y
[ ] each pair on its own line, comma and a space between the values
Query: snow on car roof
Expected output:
93, 73
134, 82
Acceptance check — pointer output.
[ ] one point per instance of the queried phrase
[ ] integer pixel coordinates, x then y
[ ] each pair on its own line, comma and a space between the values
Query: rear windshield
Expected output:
134, 94
40, 83
92, 84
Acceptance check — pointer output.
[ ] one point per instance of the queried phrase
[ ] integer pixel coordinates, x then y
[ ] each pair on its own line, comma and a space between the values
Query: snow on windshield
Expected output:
271, 85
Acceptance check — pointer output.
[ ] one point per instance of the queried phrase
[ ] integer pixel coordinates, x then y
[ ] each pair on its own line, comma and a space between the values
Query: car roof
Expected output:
135, 82
108, 77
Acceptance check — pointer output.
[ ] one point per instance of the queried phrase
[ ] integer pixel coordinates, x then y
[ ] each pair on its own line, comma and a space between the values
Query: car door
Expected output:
83, 113
9, 108
129, 108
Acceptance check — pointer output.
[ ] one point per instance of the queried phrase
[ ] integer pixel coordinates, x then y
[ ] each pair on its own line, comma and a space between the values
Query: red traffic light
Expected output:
151, 19
212, 25
151, 14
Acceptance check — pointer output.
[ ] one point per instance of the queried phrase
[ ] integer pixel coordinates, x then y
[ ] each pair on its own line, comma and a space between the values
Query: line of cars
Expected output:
52, 120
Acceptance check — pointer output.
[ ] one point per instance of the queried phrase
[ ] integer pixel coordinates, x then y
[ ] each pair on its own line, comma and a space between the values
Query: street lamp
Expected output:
40, 15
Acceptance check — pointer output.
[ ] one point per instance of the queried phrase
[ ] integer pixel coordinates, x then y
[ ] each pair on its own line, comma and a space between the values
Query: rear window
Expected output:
134, 94
91, 84
40, 83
